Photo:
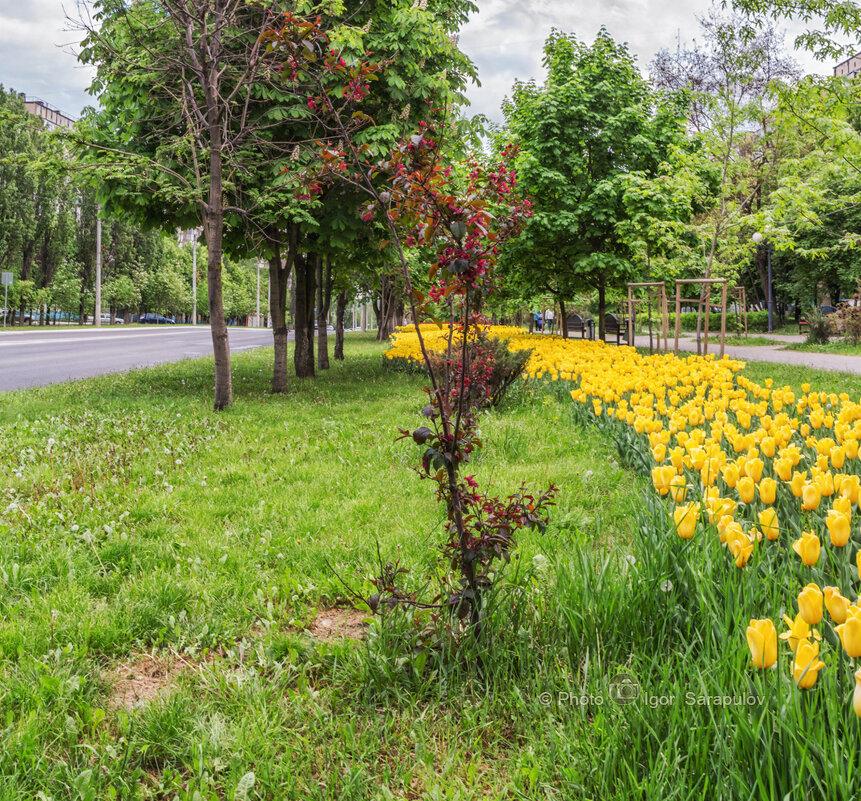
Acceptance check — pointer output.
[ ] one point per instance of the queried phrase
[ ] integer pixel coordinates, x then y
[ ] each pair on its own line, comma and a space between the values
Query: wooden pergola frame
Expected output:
655, 290
701, 301
741, 301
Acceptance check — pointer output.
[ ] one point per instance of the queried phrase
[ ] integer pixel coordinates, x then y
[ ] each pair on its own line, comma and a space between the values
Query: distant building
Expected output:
53, 117
851, 68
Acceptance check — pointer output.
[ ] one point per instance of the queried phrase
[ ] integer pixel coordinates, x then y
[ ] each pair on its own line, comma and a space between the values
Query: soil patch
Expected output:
338, 624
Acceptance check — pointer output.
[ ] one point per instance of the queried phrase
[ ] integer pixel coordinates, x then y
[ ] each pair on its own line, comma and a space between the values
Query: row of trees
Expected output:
636, 179
48, 241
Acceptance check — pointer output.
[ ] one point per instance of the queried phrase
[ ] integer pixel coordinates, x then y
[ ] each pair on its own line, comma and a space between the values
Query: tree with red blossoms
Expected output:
461, 215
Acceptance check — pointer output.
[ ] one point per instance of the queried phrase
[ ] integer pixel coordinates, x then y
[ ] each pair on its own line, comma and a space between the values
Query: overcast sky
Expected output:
504, 39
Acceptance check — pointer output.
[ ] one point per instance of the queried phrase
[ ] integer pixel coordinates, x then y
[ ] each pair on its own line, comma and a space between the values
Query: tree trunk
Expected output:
214, 232
303, 352
389, 307
279, 277
278, 314
602, 305
340, 312
564, 320
324, 300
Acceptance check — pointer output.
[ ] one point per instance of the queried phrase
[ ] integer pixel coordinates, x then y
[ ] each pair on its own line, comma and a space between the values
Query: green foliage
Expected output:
596, 146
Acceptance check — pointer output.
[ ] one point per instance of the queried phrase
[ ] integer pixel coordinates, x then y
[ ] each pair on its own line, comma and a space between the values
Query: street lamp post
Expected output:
194, 278
758, 239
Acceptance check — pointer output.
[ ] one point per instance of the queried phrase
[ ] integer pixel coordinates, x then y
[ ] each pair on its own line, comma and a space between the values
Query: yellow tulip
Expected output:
850, 636
810, 497
762, 641
730, 475
768, 523
798, 483
825, 484
746, 489
850, 488
838, 457
685, 518
807, 547
806, 664
851, 448
810, 604
842, 505
767, 490
678, 488
783, 468
799, 631
838, 527
767, 446
753, 469
659, 453
741, 548
837, 605
661, 477
856, 696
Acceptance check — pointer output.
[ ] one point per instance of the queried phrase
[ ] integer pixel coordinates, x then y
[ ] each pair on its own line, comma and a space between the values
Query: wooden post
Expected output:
630, 316
722, 317
708, 301
666, 316
678, 315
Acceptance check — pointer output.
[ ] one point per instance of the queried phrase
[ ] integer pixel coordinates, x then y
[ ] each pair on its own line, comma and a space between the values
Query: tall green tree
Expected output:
583, 133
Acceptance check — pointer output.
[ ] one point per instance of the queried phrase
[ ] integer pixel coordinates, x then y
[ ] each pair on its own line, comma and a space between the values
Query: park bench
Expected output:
803, 326
577, 325
614, 327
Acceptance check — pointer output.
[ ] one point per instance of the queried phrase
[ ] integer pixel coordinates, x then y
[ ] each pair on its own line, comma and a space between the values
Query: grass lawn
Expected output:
840, 347
147, 543
750, 341
162, 568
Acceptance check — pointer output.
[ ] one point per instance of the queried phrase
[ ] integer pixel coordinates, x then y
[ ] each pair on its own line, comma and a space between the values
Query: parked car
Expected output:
156, 319
106, 320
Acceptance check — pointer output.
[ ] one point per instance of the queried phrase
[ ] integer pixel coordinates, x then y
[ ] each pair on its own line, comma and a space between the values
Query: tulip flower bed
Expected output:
751, 519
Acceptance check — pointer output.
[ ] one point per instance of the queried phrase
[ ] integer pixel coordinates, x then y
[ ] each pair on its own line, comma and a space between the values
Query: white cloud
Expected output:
505, 37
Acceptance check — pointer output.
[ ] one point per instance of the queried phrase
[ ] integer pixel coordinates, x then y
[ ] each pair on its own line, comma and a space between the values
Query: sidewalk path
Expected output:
773, 353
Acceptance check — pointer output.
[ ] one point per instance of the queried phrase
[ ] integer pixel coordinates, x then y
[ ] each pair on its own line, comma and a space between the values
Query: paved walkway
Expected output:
772, 353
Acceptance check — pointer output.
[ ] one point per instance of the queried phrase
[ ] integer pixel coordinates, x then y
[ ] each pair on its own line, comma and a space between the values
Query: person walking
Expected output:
548, 319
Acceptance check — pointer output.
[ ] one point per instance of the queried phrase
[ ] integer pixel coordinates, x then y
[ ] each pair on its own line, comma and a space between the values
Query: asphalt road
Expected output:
34, 357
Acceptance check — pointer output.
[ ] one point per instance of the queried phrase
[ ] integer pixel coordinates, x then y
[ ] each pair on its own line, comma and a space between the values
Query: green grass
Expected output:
751, 340
840, 347
136, 521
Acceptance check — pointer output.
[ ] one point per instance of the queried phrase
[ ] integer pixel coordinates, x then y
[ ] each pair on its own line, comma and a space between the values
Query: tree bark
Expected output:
278, 272
214, 233
340, 312
303, 352
563, 323
324, 300
602, 305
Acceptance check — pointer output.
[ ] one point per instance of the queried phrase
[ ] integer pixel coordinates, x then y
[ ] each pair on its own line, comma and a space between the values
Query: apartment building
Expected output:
53, 117
850, 68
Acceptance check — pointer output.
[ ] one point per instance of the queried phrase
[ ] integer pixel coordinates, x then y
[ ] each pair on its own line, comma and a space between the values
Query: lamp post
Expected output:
758, 239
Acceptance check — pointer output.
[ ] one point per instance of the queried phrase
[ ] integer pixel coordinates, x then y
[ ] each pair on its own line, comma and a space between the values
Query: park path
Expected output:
773, 353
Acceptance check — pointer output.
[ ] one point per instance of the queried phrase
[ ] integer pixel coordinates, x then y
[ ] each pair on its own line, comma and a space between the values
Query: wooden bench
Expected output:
803, 326
614, 327
576, 324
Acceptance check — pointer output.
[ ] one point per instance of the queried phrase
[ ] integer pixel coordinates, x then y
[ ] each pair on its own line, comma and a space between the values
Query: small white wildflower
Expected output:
667, 585
366, 27
587, 475
631, 559
294, 156
540, 563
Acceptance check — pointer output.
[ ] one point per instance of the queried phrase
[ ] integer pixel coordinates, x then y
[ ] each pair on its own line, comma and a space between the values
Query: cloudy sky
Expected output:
504, 39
